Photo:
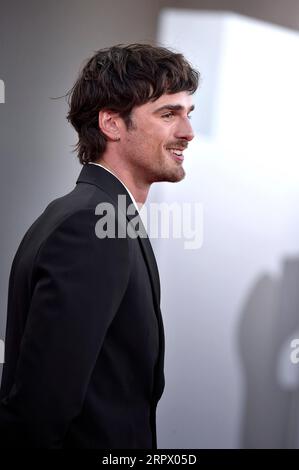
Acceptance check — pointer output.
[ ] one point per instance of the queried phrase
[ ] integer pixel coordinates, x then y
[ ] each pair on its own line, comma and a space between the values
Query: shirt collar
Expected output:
130, 194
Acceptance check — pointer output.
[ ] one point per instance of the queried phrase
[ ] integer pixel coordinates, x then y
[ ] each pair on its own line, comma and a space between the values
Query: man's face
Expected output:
153, 146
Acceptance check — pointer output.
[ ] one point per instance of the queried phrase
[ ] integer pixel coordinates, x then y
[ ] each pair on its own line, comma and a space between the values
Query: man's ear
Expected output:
109, 123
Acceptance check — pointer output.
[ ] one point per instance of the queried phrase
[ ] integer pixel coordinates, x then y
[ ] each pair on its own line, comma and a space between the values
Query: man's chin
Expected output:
176, 174
171, 176
177, 177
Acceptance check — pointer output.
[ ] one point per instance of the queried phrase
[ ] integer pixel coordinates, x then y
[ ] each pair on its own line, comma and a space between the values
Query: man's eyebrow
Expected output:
173, 107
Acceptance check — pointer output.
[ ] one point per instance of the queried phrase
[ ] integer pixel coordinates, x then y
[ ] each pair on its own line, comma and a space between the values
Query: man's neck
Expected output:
138, 190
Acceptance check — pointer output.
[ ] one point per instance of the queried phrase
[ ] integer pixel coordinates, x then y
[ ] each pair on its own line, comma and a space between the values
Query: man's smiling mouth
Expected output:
177, 153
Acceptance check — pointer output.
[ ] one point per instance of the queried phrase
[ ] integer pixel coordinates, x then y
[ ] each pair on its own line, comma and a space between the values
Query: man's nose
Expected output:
184, 130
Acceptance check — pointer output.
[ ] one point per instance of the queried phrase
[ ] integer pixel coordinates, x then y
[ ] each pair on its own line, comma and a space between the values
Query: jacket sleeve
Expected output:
77, 284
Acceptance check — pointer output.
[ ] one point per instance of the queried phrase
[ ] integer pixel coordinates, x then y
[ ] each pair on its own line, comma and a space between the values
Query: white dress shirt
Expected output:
131, 195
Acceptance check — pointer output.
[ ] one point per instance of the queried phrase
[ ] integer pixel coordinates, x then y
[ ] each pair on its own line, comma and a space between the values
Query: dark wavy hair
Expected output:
119, 78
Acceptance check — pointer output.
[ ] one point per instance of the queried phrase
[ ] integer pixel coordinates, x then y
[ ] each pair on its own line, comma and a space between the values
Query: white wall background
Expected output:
230, 305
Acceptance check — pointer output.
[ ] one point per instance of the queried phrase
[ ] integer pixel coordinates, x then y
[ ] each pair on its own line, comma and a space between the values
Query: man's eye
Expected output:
167, 115
189, 116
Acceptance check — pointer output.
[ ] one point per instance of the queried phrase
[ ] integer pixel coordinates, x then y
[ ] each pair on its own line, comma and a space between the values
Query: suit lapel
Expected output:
150, 260
94, 174
148, 255
107, 182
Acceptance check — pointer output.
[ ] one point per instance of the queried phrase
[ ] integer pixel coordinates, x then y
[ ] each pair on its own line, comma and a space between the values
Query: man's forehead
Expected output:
183, 98
182, 101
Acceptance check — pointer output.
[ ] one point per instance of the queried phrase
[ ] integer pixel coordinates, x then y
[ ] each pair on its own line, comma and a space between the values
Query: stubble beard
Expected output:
167, 171
169, 175
155, 170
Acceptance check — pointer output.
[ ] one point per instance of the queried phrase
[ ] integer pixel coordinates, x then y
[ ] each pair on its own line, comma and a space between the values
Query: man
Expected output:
84, 340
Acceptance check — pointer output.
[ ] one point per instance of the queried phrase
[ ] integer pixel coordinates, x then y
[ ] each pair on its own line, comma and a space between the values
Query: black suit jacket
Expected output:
84, 346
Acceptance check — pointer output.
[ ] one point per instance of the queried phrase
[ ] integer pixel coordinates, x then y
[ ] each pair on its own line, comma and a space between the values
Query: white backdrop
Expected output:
230, 306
